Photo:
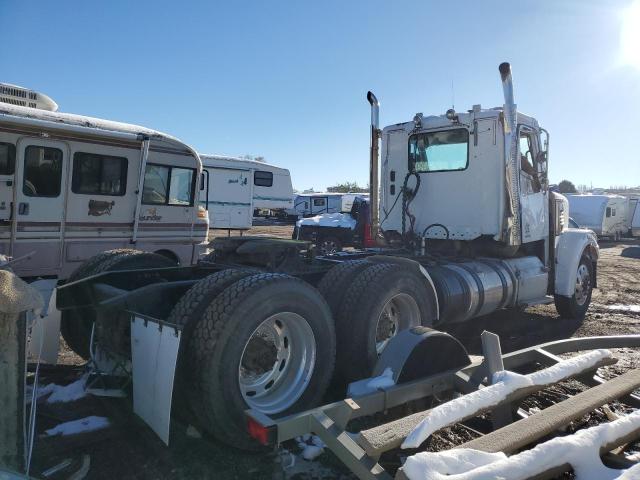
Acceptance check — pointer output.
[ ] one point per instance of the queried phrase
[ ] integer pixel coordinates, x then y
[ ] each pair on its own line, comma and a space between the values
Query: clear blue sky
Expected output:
287, 79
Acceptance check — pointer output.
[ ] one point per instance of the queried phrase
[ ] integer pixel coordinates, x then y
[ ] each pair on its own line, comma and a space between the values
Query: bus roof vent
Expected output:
24, 97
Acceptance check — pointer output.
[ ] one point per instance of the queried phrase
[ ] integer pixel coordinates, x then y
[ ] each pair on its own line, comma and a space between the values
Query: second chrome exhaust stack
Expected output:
374, 179
512, 164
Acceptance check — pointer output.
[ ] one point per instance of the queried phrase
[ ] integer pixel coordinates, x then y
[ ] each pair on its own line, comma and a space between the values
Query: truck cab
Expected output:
455, 166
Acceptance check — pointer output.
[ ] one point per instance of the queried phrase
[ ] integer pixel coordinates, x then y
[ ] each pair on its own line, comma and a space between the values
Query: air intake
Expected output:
23, 97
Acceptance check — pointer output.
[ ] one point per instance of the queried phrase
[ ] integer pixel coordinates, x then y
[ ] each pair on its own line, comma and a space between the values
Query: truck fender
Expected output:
571, 245
412, 264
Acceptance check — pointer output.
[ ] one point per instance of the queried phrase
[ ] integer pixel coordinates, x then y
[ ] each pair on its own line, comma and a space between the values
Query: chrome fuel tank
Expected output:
472, 288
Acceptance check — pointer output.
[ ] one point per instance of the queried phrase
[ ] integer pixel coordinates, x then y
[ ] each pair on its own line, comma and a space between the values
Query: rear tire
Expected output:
576, 306
382, 300
187, 313
76, 325
337, 280
224, 361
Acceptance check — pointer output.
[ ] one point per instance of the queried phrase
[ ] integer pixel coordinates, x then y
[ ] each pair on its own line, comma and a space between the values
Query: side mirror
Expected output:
541, 160
542, 168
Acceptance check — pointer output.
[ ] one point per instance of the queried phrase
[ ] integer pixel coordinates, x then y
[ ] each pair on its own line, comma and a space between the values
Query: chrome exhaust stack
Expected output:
512, 165
374, 165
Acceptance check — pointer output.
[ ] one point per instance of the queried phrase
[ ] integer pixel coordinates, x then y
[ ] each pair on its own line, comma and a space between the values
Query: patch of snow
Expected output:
504, 383
65, 393
79, 120
624, 308
568, 367
82, 425
342, 220
632, 473
312, 446
371, 385
581, 450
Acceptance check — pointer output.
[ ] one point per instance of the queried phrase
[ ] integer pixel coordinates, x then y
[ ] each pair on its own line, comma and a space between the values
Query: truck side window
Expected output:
529, 183
42, 171
7, 158
168, 185
96, 174
608, 212
263, 179
443, 151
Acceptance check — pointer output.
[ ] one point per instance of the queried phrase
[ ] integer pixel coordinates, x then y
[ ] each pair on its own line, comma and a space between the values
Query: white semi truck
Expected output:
466, 225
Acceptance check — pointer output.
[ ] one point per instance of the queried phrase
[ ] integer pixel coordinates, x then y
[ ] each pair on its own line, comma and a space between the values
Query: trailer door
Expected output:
230, 192
40, 193
7, 169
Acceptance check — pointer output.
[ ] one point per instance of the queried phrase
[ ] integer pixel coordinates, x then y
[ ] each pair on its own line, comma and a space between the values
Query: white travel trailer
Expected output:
233, 188
73, 186
606, 215
632, 213
310, 204
635, 222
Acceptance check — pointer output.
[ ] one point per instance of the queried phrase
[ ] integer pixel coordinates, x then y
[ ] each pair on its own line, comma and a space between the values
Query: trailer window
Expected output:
263, 179
319, 202
168, 185
7, 158
42, 171
442, 151
608, 212
96, 174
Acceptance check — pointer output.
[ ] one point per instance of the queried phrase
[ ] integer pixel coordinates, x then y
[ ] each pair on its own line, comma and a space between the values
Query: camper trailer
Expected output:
311, 204
234, 188
635, 222
632, 212
73, 186
606, 215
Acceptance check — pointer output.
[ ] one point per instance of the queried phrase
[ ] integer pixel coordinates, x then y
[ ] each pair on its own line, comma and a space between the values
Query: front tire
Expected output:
576, 306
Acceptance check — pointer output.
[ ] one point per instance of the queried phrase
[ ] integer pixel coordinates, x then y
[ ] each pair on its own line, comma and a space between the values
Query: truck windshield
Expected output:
441, 151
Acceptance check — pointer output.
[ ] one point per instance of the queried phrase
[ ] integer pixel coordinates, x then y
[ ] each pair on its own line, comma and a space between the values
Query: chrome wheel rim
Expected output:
583, 284
399, 313
277, 363
328, 247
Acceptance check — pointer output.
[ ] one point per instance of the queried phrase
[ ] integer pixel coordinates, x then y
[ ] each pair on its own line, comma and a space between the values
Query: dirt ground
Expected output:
129, 450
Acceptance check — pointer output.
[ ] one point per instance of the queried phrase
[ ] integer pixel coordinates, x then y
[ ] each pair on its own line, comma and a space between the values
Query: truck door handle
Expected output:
23, 208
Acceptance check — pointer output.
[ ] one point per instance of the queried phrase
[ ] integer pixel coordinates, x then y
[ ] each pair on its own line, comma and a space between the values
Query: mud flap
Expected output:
44, 342
154, 352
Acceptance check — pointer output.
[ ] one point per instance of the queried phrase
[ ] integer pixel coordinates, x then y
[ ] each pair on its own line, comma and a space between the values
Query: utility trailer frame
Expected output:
329, 421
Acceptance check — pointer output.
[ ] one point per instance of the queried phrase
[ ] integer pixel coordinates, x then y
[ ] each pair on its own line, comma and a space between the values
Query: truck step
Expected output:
546, 300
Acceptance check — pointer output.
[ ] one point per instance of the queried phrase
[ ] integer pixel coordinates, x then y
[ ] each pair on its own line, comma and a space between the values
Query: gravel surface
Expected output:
128, 449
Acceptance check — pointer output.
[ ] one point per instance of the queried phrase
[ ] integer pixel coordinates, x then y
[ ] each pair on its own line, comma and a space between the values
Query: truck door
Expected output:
40, 192
532, 191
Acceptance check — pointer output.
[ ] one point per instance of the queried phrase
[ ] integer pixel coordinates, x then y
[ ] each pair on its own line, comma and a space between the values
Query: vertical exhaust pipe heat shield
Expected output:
512, 170
374, 179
